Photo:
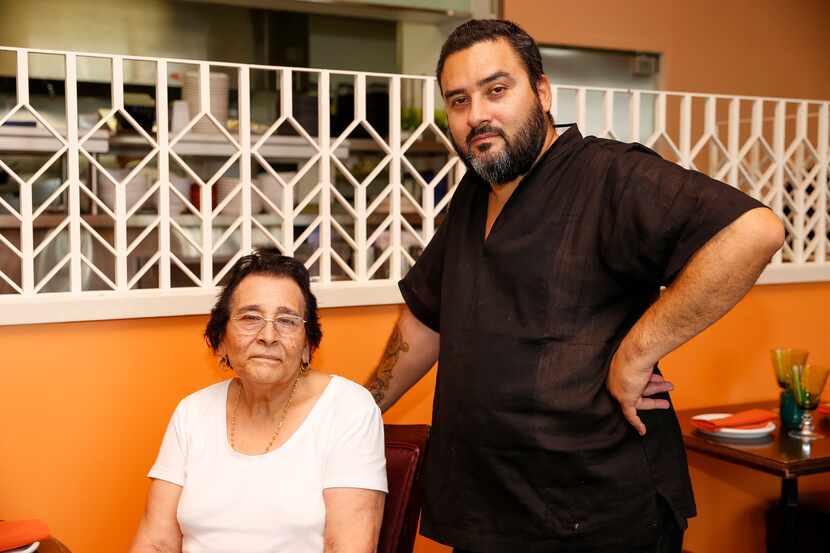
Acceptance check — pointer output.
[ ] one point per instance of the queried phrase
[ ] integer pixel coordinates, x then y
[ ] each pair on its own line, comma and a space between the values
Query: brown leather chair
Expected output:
52, 545
405, 450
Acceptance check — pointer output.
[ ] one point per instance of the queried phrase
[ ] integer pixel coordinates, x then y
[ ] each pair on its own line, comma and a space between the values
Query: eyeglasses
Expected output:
285, 324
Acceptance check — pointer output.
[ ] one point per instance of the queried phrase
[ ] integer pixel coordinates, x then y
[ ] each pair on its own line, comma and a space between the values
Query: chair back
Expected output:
405, 451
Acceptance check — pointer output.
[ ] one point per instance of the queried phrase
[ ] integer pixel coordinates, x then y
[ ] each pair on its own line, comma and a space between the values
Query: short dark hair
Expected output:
478, 30
264, 261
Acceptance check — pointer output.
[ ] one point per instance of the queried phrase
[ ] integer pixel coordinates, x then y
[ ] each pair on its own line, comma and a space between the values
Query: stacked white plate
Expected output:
133, 189
182, 184
728, 432
219, 86
224, 187
304, 185
271, 186
25, 549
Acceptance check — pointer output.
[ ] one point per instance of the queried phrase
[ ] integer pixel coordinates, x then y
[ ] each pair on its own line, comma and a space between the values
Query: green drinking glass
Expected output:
806, 384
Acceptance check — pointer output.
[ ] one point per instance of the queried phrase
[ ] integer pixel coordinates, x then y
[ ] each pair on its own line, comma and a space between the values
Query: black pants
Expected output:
669, 541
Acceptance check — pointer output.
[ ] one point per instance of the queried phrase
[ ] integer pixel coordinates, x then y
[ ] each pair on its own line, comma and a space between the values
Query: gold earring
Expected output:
225, 362
305, 367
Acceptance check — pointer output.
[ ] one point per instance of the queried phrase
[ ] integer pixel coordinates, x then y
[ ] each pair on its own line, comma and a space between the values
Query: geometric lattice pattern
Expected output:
369, 179
775, 150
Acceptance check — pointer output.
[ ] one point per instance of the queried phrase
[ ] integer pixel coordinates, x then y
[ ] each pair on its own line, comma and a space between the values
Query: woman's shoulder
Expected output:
350, 392
207, 397
343, 399
349, 412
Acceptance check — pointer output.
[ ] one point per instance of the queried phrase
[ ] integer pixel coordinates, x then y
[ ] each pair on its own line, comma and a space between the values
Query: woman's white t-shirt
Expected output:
232, 502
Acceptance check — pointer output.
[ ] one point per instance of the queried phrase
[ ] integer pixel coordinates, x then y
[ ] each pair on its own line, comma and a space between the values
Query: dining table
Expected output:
776, 453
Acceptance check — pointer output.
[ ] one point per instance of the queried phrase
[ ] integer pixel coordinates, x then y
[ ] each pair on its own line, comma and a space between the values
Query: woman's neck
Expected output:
265, 400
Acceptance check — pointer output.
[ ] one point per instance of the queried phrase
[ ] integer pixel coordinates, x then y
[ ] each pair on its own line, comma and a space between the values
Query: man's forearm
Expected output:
715, 279
712, 282
411, 351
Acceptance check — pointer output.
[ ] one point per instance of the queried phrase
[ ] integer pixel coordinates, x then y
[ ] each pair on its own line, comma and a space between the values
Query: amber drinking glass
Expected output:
782, 361
806, 385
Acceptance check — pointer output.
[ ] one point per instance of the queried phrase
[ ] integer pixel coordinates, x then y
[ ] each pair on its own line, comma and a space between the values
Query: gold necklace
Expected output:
282, 416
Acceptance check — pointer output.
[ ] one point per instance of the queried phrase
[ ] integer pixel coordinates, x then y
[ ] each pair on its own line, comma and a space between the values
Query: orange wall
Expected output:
729, 363
753, 47
83, 407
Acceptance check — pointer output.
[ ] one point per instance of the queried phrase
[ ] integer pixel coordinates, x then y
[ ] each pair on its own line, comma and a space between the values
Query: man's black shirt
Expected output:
528, 451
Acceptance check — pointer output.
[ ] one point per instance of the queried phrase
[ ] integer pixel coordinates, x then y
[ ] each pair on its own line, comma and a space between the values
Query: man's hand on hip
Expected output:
719, 274
632, 387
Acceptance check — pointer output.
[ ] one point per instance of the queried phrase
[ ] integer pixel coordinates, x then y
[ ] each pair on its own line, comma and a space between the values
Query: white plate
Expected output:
727, 432
25, 549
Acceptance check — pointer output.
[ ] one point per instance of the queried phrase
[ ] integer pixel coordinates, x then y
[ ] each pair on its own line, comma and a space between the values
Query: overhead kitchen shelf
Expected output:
38, 139
289, 148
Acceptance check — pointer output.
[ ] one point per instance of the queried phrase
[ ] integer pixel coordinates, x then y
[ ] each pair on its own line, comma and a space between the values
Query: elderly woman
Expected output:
281, 457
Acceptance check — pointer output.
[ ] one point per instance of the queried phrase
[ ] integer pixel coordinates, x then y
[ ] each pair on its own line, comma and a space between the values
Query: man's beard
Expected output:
518, 154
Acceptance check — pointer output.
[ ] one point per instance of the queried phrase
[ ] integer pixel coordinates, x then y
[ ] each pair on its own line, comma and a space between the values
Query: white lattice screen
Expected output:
348, 171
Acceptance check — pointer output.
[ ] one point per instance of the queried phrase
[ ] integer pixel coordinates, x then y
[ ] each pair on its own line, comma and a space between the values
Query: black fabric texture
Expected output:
528, 451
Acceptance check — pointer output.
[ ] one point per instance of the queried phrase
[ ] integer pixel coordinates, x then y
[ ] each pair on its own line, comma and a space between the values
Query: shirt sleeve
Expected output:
659, 214
356, 457
421, 287
170, 463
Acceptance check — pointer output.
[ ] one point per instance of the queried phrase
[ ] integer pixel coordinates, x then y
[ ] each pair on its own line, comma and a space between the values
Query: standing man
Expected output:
540, 297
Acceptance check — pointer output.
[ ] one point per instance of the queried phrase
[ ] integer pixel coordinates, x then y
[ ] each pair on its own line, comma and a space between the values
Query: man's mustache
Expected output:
484, 129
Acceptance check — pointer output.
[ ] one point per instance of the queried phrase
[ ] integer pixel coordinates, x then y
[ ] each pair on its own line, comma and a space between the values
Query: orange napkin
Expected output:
752, 418
17, 533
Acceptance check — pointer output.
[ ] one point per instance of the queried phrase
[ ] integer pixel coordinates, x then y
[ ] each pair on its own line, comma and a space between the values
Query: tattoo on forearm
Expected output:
383, 374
